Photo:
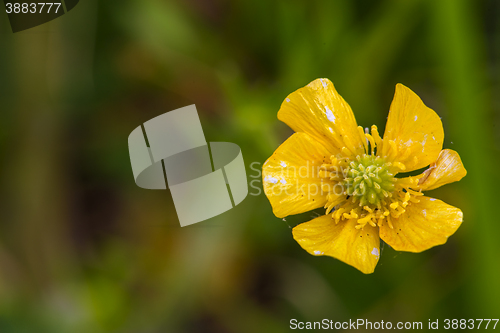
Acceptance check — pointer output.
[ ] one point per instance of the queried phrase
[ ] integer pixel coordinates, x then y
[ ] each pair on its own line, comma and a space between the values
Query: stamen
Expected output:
394, 150
372, 142
363, 138
389, 222
414, 192
374, 195
346, 152
399, 165
376, 137
329, 209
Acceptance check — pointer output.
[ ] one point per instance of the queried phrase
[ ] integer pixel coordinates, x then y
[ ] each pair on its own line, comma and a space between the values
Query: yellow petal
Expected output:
424, 224
291, 178
359, 248
447, 169
317, 109
416, 130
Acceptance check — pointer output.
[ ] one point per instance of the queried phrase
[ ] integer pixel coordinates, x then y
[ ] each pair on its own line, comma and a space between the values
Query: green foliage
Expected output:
82, 249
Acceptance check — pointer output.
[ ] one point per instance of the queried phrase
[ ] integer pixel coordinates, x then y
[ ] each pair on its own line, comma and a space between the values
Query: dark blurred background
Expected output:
83, 249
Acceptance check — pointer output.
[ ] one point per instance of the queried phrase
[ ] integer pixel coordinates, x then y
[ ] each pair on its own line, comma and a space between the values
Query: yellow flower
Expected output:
333, 163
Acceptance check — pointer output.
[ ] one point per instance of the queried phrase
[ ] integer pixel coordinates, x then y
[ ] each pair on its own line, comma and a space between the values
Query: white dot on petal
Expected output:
425, 140
283, 164
323, 82
375, 252
318, 252
331, 130
329, 114
416, 118
432, 199
283, 181
288, 99
271, 180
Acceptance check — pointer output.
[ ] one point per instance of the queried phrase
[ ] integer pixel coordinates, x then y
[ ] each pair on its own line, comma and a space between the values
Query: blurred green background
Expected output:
83, 249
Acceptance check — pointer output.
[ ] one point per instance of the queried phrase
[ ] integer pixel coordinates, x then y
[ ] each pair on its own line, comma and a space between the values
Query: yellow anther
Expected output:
394, 149
376, 137
328, 167
361, 132
346, 152
399, 165
365, 219
414, 192
414, 200
330, 208
338, 213
372, 142
389, 223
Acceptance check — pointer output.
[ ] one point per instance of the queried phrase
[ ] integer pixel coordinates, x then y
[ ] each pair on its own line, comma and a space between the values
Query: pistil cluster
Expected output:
371, 193
368, 180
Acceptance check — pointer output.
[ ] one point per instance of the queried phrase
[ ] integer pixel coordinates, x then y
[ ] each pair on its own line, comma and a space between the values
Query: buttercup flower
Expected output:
331, 162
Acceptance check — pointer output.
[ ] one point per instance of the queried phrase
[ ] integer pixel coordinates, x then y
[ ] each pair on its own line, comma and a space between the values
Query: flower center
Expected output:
368, 180
370, 194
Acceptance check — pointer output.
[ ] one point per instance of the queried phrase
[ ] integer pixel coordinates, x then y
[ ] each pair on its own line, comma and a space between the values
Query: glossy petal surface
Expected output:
424, 225
358, 248
291, 177
317, 109
447, 169
416, 130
